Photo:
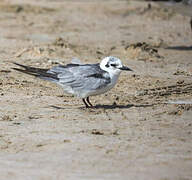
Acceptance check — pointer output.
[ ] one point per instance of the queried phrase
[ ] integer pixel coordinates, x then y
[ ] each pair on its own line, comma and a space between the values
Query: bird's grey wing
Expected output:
73, 77
96, 81
89, 77
64, 75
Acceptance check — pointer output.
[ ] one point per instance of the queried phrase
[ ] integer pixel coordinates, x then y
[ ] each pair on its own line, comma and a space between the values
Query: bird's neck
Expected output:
114, 77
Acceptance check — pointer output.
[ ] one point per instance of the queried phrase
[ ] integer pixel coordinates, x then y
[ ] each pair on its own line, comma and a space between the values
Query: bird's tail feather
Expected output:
37, 72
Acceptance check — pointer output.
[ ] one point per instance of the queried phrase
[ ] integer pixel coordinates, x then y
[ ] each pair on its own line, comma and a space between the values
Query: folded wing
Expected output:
74, 77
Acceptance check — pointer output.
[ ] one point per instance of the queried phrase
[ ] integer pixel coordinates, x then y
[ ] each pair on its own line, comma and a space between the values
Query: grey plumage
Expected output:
78, 76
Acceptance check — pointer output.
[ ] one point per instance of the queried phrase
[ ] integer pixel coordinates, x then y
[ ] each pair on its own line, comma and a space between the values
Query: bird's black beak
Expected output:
125, 68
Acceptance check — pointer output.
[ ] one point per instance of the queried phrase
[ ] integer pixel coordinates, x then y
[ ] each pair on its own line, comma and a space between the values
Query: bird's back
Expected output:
80, 79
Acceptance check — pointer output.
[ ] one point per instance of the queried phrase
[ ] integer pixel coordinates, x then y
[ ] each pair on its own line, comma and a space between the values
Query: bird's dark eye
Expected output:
114, 65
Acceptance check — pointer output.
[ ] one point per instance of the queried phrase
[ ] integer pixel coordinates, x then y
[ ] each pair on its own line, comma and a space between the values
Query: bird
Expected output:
81, 80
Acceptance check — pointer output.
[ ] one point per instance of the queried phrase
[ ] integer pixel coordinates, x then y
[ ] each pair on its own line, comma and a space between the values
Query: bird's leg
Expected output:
89, 101
87, 106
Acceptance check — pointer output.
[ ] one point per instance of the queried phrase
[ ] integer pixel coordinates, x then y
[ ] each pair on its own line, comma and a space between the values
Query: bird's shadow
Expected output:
180, 48
113, 106
56, 107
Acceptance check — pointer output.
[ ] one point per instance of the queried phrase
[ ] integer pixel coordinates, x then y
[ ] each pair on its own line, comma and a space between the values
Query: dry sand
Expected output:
133, 133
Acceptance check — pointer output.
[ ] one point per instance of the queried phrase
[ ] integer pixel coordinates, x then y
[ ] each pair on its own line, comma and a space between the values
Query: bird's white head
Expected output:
113, 65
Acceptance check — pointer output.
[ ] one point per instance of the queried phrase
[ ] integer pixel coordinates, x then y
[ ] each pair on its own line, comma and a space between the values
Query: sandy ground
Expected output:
133, 132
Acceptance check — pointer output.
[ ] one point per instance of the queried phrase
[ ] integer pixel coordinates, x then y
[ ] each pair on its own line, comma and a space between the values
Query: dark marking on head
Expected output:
114, 65
107, 65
